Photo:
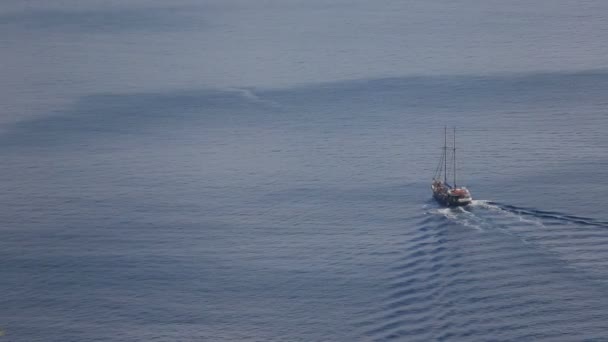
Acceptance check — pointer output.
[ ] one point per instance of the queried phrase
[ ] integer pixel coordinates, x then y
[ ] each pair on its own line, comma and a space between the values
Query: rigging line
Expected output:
445, 152
454, 157
439, 167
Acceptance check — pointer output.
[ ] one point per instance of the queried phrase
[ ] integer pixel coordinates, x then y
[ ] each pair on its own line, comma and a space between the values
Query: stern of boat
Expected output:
460, 196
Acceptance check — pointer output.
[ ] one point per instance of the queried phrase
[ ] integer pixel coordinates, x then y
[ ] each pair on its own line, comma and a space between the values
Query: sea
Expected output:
232, 170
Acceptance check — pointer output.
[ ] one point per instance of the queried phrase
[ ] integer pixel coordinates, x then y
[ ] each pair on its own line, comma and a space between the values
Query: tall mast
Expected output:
454, 157
445, 155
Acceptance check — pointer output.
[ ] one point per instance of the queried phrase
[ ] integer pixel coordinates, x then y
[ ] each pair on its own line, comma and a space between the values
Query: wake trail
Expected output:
544, 214
483, 214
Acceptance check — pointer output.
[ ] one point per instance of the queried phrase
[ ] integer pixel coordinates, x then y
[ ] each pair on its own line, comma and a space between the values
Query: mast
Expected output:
454, 157
445, 155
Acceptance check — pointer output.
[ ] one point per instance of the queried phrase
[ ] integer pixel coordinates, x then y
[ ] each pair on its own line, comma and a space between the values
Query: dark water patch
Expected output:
121, 115
418, 99
454, 92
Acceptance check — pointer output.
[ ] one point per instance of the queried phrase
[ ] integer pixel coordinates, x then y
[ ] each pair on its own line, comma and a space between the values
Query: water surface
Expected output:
234, 171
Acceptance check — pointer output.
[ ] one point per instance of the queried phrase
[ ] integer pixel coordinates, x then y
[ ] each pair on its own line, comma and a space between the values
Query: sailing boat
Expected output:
444, 193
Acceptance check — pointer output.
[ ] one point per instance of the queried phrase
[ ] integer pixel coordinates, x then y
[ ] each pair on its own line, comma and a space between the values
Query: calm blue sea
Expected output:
260, 171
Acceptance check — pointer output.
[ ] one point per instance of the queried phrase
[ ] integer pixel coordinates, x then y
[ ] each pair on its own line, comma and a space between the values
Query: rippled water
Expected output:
171, 199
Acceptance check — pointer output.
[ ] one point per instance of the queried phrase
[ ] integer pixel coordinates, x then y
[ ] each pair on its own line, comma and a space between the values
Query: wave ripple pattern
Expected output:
496, 270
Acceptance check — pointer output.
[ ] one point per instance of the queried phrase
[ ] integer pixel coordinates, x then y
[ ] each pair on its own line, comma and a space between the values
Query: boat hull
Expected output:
450, 201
